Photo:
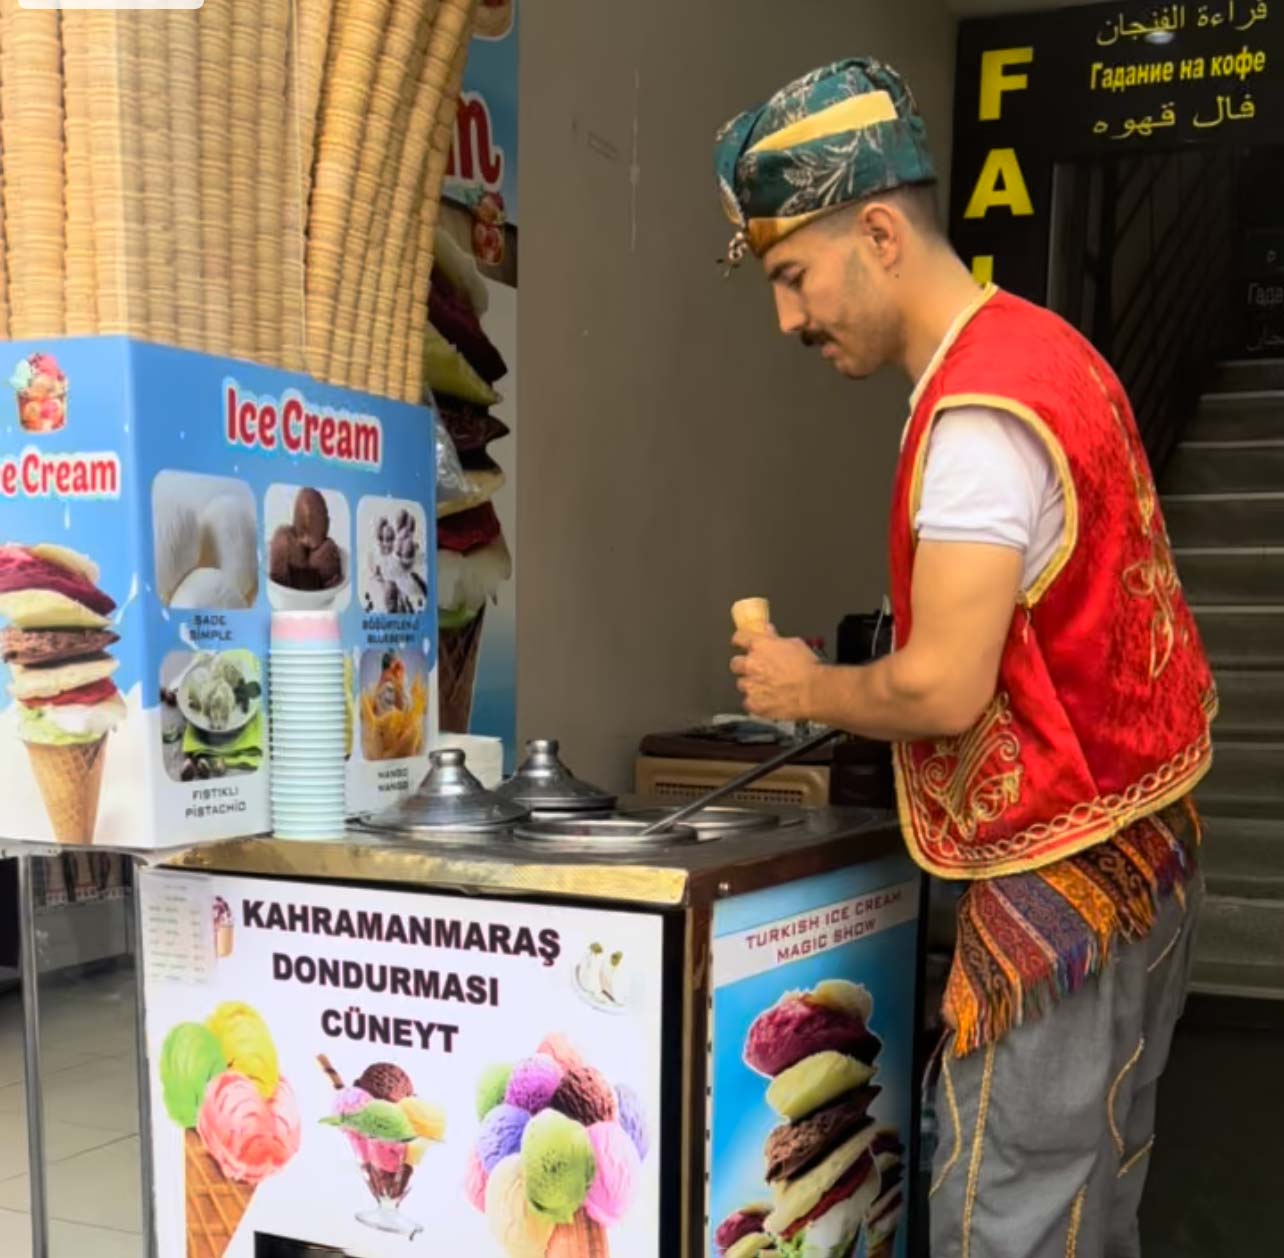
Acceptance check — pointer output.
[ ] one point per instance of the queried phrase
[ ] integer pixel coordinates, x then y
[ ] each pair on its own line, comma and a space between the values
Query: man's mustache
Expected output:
813, 339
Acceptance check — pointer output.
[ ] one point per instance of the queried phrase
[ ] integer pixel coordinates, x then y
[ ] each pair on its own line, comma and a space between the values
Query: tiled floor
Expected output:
91, 1120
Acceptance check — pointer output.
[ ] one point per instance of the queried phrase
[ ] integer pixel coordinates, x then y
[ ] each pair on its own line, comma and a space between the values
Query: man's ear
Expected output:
884, 229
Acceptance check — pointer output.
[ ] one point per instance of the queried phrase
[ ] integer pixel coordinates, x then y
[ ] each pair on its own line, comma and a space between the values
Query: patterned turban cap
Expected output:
833, 137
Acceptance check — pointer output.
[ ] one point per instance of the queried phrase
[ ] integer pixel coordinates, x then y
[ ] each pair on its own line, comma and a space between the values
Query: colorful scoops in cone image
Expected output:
559, 1156
222, 1085
461, 366
60, 675
389, 1129
832, 1171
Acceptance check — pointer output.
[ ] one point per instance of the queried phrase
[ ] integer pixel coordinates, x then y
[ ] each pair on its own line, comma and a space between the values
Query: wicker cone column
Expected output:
274, 34
82, 288
182, 32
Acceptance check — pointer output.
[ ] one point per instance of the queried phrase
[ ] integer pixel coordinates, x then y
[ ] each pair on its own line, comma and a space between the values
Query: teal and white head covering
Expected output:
833, 137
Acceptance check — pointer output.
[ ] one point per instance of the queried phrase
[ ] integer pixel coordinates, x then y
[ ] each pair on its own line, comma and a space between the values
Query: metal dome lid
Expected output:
544, 784
449, 798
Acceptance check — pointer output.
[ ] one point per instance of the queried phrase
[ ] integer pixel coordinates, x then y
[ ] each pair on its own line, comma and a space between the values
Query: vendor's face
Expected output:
832, 292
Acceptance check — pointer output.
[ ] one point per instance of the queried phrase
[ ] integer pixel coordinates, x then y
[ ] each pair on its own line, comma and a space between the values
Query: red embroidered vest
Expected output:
1104, 698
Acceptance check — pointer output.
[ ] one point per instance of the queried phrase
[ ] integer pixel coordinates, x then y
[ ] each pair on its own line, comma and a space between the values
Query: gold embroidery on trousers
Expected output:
976, 777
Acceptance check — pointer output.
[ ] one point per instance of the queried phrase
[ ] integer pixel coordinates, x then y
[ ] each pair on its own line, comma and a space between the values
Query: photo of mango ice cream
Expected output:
221, 1084
41, 386
558, 1159
389, 1130
394, 704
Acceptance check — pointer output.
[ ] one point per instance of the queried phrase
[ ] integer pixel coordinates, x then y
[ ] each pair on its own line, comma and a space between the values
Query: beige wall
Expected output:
675, 451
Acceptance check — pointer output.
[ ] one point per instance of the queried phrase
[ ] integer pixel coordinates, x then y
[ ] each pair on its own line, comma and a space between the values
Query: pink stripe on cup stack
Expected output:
308, 720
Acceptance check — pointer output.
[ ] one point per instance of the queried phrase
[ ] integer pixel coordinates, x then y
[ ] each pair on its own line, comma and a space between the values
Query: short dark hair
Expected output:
919, 202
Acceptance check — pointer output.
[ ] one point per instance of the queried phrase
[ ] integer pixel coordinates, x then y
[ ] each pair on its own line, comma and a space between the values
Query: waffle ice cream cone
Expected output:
457, 653
70, 780
215, 1205
224, 940
581, 1239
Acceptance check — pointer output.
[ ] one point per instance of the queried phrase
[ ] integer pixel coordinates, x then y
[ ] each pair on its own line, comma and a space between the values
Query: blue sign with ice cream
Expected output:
159, 504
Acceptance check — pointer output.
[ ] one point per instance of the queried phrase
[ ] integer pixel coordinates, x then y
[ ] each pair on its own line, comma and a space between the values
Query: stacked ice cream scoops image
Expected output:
832, 1170
60, 675
222, 1084
559, 1156
461, 366
389, 1129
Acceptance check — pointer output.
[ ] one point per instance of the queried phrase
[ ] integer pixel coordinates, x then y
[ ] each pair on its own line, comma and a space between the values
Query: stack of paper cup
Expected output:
305, 688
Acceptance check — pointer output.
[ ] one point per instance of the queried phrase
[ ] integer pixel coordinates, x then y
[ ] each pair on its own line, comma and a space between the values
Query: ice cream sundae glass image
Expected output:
41, 387
559, 1156
222, 1085
389, 1129
223, 927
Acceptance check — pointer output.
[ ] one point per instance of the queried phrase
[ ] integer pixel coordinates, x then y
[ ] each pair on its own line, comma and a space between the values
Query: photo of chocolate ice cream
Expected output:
307, 557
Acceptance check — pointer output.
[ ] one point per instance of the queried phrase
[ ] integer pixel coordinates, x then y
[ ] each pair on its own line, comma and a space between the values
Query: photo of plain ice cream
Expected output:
392, 547
307, 548
204, 542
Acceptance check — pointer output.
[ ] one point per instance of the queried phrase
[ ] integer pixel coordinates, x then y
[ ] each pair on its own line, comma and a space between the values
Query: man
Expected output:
1048, 697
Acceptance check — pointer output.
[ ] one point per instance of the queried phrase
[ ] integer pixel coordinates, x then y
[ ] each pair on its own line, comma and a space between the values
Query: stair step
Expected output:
1249, 415
1241, 931
1246, 780
1250, 980
1242, 636
1243, 857
1219, 574
1225, 519
1247, 374
1225, 467
1252, 704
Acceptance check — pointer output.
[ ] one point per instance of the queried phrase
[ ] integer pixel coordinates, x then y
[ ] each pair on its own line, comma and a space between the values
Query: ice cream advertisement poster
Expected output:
389, 1073
159, 505
471, 367
812, 1051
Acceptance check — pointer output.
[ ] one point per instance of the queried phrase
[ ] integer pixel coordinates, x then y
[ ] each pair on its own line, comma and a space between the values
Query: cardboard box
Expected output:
142, 490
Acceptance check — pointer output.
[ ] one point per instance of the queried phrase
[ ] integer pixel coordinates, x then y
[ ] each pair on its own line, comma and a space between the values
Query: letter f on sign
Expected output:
994, 82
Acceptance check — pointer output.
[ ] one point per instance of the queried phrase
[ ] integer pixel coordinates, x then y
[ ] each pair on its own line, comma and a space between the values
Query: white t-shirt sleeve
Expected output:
989, 478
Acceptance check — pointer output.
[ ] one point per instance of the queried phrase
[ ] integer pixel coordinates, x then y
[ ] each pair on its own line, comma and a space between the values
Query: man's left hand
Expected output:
776, 675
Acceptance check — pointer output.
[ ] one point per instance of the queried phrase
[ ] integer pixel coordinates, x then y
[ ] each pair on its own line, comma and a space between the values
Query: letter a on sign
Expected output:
1000, 183
994, 82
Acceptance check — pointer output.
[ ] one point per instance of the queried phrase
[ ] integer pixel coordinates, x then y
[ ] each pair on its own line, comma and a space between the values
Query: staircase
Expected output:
1224, 503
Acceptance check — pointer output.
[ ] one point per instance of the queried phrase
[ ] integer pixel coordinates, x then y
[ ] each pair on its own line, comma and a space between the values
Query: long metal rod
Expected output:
135, 919
29, 961
747, 778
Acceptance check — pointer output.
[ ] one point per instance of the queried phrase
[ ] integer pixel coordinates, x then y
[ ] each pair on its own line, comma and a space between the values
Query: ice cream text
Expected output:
292, 425
37, 474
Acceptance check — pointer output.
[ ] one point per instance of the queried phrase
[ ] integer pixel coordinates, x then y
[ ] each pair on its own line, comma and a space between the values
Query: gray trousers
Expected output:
1044, 1136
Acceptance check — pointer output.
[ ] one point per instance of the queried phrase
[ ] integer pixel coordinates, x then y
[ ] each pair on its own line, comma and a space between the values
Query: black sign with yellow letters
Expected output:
1033, 90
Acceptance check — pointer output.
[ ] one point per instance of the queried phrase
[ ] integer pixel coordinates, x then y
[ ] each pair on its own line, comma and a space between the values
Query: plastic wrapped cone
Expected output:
457, 652
581, 1239
215, 1204
400, 60
82, 303
339, 142
70, 781
214, 46
274, 26
448, 46
158, 201
184, 138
